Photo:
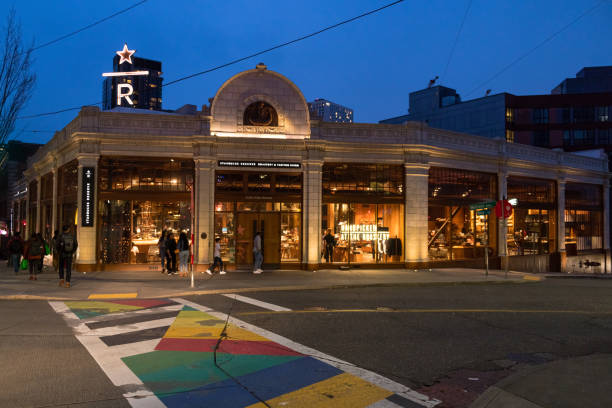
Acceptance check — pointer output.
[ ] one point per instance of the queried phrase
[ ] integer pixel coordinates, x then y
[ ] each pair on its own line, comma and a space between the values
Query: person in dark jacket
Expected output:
15, 247
34, 252
161, 245
66, 246
171, 250
330, 243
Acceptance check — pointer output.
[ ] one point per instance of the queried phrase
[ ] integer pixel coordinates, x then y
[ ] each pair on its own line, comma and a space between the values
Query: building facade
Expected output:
588, 80
327, 111
391, 195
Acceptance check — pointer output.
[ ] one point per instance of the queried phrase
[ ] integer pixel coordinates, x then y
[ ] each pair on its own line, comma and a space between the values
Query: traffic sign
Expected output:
503, 209
484, 204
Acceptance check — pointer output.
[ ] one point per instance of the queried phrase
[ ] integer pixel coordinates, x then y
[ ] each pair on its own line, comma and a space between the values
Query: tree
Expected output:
16, 79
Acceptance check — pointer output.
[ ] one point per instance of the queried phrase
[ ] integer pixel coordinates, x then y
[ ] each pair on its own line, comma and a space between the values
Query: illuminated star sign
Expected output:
125, 54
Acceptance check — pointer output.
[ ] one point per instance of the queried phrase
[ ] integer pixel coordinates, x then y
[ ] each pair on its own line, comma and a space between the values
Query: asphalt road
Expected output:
447, 341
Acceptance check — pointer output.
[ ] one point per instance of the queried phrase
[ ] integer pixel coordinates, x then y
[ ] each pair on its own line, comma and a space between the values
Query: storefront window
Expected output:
370, 179
171, 175
532, 225
281, 224
131, 229
363, 233
456, 230
583, 217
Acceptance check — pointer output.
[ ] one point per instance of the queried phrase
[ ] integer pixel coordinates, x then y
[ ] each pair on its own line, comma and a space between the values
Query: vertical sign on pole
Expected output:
87, 197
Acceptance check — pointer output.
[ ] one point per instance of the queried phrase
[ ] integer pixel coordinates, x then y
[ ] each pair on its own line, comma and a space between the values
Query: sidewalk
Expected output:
571, 383
147, 284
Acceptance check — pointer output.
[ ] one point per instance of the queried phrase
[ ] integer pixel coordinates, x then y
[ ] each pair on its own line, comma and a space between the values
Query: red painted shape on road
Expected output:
141, 302
269, 348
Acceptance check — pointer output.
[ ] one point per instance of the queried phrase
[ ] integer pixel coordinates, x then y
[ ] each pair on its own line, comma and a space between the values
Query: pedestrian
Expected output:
257, 253
217, 261
54, 252
161, 244
183, 248
330, 243
171, 250
66, 247
34, 252
15, 247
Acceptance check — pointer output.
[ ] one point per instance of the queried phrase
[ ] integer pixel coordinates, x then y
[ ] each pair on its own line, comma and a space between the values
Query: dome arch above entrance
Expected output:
277, 107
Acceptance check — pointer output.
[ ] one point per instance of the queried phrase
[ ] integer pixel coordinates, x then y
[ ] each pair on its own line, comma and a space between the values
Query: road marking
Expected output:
364, 374
109, 360
587, 312
113, 295
532, 278
255, 302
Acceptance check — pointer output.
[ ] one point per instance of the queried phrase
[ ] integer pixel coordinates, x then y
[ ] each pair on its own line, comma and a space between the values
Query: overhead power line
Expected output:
450, 55
539, 45
239, 59
95, 23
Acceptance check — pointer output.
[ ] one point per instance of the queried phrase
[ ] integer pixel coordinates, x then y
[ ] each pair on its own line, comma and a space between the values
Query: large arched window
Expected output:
260, 113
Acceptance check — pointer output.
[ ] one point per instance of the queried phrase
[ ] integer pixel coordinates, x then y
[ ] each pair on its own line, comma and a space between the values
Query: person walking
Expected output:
161, 244
171, 250
54, 252
183, 248
217, 261
15, 247
34, 252
330, 243
257, 252
66, 247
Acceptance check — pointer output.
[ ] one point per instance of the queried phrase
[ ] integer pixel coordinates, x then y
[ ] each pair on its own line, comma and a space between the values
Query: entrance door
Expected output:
269, 225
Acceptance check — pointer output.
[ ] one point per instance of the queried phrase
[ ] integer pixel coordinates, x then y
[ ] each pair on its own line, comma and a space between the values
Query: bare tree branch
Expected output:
16, 77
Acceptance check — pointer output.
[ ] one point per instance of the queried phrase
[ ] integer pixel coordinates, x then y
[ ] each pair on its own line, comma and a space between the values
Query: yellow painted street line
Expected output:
112, 295
383, 310
532, 278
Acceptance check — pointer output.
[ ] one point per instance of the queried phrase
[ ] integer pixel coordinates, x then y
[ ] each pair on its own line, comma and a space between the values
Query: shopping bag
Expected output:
24, 264
47, 252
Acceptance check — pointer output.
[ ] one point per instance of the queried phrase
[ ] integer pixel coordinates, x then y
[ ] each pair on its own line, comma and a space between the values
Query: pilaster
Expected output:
203, 213
38, 211
86, 236
606, 214
416, 211
311, 214
54, 206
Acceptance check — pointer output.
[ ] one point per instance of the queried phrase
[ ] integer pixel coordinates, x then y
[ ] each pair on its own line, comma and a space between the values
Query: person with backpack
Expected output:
161, 244
66, 247
34, 252
217, 261
15, 247
171, 250
54, 252
183, 248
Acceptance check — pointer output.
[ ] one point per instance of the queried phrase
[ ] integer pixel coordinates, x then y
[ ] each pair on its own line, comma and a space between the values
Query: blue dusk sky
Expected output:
370, 65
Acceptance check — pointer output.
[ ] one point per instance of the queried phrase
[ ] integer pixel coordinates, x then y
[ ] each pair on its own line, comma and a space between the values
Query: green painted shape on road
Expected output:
165, 372
189, 308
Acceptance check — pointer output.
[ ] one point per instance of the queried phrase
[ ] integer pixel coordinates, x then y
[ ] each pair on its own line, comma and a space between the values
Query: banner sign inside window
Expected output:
259, 164
87, 201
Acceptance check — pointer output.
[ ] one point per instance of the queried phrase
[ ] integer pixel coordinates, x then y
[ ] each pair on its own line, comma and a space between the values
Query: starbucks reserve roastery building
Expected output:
392, 195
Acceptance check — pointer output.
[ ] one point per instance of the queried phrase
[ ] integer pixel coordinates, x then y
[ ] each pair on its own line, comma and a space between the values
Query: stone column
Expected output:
204, 202
38, 210
561, 216
502, 230
311, 213
54, 206
86, 236
416, 211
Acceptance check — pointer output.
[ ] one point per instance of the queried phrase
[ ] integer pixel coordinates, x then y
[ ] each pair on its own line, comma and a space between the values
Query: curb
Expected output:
287, 288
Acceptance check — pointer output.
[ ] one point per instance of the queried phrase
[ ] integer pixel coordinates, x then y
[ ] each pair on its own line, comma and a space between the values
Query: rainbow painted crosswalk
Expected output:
185, 355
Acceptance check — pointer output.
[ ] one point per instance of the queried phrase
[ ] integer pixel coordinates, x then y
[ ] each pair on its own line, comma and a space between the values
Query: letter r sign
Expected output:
122, 94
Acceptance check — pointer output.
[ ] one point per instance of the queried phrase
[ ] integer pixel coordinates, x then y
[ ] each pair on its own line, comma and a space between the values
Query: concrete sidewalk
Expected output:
571, 383
147, 284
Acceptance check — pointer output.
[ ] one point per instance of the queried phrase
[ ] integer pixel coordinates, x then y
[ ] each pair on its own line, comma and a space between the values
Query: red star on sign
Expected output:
125, 54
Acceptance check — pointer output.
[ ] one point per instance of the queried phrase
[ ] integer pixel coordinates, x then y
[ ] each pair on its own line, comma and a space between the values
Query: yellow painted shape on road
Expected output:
108, 306
199, 325
341, 391
532, 278
586, 312
113, 295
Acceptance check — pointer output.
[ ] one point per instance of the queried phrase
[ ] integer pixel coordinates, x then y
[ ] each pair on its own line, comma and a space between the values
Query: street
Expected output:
448, 342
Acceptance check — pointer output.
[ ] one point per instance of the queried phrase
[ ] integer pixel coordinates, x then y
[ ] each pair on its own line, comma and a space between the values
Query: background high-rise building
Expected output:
147, 88
588, 80
328, 111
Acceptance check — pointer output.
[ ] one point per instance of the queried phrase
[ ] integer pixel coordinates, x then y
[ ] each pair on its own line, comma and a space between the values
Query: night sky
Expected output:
370, 65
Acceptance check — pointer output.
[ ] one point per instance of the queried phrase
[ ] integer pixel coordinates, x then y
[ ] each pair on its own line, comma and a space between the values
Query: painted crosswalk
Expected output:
176, 353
